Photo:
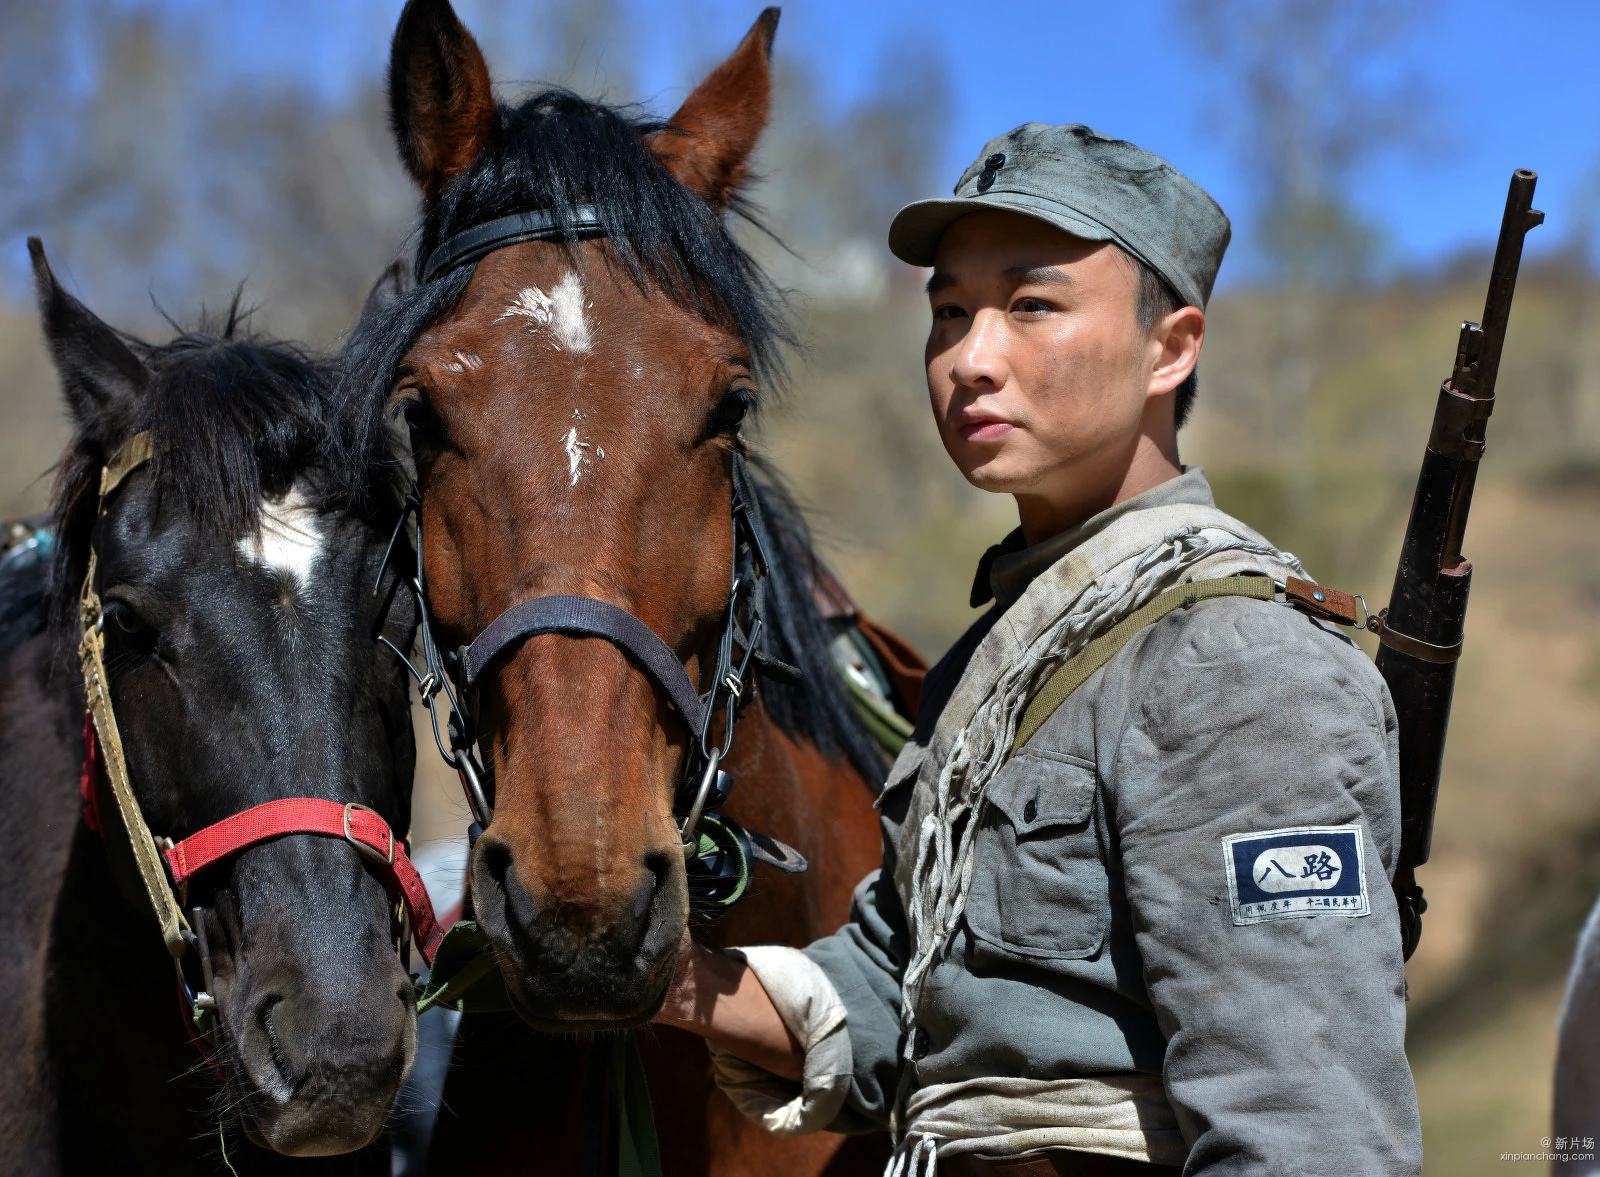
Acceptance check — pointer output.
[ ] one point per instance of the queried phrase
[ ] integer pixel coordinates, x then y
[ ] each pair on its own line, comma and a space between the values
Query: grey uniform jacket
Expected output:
1110, 928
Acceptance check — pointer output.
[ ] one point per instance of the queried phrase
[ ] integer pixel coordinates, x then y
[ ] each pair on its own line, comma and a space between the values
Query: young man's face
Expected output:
1039, 372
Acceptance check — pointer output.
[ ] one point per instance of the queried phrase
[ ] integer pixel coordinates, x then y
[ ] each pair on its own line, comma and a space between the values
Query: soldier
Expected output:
1146, 922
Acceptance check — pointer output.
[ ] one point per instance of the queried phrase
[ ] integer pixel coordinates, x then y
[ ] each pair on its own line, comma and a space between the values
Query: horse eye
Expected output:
731, 411
121, 617
421, 418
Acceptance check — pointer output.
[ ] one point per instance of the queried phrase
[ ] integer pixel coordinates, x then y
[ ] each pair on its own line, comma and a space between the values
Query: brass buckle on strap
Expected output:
366, 850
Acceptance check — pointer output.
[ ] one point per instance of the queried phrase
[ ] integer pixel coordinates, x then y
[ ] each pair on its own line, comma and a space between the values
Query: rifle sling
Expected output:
1074, 672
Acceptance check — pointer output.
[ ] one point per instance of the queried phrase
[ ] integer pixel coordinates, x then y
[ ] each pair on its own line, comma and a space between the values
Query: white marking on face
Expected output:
570, 327
575, 447
531, 303
560, 313
289, 539
576, 458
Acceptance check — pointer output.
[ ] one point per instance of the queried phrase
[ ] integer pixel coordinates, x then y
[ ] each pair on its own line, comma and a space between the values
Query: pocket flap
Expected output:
904, 770
1038, 789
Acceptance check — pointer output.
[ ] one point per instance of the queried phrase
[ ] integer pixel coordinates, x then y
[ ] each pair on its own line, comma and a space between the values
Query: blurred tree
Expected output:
1308, 92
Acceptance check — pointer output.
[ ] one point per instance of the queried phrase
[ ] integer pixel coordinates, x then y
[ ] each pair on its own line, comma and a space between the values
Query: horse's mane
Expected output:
819, 707
555, 152
233, 417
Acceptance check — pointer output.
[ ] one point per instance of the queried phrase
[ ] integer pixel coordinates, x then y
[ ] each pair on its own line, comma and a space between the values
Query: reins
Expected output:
165, 867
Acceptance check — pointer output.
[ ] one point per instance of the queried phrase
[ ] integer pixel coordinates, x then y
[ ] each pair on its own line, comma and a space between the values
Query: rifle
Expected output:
1421, 630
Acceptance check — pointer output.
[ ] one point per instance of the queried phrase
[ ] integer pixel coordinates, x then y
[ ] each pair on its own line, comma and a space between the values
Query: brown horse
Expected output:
575, 402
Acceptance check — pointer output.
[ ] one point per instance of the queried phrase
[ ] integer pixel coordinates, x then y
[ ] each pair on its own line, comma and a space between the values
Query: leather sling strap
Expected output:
1075, 671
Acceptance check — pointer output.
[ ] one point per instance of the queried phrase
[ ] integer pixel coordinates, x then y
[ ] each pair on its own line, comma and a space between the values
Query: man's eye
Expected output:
1031, 306
949, 311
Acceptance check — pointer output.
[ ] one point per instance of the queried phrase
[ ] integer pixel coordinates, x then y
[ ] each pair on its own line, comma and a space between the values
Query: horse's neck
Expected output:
114, 1023
94, 1044
784, 786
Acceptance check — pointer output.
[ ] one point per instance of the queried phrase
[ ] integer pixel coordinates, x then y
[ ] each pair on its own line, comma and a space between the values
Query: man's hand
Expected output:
719, 998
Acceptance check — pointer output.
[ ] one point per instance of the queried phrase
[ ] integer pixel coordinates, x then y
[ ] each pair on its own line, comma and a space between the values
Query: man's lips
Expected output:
984, 429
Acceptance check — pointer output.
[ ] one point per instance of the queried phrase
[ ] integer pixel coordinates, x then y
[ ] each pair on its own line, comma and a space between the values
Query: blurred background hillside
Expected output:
168, 151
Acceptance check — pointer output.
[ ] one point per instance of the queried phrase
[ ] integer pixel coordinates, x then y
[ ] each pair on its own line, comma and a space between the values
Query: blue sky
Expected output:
1510, 85
1507, 85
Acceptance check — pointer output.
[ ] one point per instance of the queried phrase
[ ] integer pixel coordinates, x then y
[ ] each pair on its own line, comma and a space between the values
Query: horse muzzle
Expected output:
600, 961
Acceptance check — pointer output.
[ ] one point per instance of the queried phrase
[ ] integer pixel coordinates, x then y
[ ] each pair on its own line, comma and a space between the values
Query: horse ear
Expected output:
101, 377
440, 104
708, 144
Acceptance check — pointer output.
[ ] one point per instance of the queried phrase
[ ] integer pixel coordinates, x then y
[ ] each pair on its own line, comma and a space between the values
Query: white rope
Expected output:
916, 1157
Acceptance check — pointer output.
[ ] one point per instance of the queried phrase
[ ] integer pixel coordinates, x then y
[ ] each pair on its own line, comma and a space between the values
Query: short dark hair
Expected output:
1157, 300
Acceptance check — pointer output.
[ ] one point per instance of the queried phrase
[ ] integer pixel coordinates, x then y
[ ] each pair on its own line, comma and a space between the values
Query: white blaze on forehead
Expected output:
559, 312
570, 327
289, 538
577, 450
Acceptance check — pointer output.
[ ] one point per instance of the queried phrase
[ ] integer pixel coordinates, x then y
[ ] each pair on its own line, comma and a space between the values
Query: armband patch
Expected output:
1304, 871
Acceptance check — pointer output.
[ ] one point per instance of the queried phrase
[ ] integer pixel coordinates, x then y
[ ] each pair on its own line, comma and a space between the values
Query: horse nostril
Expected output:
496, 858
505, 904
642, 903
280, 1060
658, 863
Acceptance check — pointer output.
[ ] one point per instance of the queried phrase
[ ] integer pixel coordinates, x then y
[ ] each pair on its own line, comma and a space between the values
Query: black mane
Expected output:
556, 152
232, 416
819, 708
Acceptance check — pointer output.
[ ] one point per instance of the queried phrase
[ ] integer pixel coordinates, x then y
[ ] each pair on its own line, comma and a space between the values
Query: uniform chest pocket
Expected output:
1039, 882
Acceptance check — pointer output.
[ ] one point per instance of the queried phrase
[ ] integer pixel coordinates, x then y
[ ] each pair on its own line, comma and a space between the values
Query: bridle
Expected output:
165, 867
448, 681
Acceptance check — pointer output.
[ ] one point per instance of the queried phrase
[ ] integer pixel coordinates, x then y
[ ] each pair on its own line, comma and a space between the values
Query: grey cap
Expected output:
1090, 186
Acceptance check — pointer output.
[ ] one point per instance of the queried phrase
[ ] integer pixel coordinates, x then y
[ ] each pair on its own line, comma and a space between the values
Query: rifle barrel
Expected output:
1423, 627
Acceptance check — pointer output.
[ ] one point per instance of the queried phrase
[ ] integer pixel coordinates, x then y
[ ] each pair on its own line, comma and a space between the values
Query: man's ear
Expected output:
441, 107
708, 145
1175, 343
101, 377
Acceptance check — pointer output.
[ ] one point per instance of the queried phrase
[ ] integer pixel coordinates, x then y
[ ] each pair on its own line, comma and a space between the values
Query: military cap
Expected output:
1090, 186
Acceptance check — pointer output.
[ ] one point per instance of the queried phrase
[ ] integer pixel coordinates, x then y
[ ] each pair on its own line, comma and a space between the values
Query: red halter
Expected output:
363, 828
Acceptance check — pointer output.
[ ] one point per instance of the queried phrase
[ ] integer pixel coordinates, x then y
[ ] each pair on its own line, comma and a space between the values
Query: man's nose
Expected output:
980, 357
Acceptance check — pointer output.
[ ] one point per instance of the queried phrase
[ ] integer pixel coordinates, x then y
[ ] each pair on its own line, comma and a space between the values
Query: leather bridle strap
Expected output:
363, 828
542, 225
175, 930
589, 617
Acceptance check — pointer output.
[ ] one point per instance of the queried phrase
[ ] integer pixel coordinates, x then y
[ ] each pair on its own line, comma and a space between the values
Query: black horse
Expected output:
241, 625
